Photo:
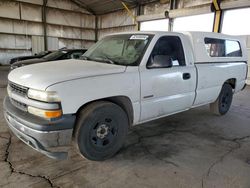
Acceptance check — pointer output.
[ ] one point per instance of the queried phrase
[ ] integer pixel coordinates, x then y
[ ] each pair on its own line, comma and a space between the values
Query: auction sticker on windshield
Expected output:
139, 37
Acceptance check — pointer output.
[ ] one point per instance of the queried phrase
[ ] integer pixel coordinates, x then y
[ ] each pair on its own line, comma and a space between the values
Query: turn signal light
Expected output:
48, 114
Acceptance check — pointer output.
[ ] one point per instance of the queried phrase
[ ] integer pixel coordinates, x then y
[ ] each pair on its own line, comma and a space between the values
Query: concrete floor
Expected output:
190, 149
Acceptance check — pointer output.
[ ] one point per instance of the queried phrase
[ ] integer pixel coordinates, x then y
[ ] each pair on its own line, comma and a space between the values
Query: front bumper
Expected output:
244, 87
42, 135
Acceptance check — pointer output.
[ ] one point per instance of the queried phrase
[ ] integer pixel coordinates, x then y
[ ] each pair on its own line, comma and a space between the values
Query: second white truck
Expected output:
123, 80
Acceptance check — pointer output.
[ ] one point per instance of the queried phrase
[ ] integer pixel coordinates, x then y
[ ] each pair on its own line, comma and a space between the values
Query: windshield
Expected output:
54, 55
126, 49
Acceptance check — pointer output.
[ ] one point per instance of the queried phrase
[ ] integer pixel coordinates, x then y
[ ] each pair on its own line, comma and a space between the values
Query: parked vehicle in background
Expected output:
53, 56
125, 79
21, 58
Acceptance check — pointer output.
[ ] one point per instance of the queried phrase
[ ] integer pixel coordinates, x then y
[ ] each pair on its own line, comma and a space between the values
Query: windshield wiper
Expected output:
107, 59
110, 61
102, 58
86, 58
97, 59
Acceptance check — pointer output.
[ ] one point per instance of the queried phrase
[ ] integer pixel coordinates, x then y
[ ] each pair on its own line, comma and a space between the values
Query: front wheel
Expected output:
100, 130
223, 102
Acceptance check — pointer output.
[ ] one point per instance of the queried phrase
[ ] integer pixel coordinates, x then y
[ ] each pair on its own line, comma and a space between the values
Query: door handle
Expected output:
186, 76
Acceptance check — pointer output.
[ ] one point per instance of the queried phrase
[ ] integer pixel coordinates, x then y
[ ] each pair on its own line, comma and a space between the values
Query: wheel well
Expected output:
122, 101
232, 82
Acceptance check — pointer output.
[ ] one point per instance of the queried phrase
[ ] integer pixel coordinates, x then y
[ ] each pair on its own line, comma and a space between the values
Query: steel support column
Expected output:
96, 28
173, 5
138, 13
44, 21
217, 16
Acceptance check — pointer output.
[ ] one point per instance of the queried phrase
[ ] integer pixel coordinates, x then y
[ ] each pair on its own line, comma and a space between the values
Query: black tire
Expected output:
100, 130
223, 102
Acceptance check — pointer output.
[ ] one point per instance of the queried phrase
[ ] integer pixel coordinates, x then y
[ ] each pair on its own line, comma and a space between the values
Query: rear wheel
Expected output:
223, 102
100, 130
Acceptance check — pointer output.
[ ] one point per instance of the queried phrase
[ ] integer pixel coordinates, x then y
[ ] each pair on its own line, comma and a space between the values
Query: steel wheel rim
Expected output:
103, 133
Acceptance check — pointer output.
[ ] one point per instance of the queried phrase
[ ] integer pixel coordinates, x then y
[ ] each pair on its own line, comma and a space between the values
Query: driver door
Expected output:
169, 90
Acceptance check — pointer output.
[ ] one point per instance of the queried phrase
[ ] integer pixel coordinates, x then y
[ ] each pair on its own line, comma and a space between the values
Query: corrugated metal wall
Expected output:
115, 22
20, 20
121, 21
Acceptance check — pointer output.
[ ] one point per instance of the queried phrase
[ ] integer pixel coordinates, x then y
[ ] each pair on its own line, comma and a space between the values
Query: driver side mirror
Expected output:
160, 61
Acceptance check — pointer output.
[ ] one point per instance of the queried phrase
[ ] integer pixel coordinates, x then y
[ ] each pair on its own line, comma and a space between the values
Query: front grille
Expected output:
19, 105
20, 90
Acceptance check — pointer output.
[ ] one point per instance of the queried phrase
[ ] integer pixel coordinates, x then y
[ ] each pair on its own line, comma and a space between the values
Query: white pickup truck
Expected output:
123, 80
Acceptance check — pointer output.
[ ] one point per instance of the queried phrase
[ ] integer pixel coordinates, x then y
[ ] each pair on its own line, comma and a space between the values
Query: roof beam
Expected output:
84, 6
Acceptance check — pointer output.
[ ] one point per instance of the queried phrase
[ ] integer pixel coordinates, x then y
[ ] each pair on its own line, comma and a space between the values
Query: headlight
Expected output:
48, 114
46, 96
8, 90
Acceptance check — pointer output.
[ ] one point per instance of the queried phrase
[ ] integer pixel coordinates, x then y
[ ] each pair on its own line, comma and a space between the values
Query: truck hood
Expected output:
40, 76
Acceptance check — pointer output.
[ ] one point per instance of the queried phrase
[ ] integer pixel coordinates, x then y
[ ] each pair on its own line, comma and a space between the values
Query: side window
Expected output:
222, 48
215, 47
233, 49
76, 55
65, 56
167, 52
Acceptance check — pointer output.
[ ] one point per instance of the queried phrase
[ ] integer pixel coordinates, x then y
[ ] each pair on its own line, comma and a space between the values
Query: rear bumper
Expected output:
42, 135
